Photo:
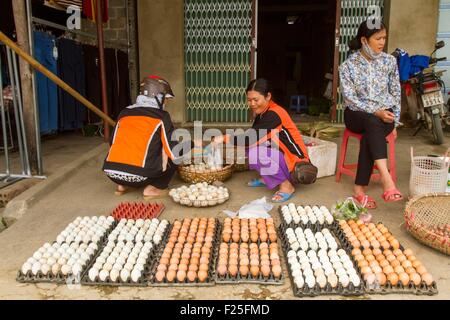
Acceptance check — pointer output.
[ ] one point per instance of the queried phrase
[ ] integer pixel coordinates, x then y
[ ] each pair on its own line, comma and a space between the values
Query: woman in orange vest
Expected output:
275, 146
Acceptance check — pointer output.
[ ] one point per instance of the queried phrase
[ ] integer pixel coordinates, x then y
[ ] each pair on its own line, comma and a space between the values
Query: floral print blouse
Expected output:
371, 86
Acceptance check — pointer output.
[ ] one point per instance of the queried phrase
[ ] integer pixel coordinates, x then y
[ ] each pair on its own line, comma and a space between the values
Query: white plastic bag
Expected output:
256, 209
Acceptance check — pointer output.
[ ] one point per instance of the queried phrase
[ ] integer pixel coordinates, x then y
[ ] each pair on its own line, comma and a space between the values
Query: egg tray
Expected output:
137, 210
313, 226
209, 282
420, 290
347, 245
143, 281
351, 290
59, 278
227, 279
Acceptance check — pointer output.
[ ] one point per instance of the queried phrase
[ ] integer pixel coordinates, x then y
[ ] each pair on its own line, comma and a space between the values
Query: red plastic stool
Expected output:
350, 169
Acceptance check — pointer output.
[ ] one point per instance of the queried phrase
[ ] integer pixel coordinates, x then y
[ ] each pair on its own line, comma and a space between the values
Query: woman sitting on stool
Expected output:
371, 89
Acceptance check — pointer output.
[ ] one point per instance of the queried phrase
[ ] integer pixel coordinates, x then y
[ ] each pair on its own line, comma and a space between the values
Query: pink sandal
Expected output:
393, 195
366, 201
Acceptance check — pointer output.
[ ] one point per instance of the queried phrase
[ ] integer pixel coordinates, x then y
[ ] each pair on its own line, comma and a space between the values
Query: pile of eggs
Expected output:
57, 259
307, 240
249, 259
360, 235
85, 230
203, 168
393, 266
306, 215
139, 230
188, 252
242, 230
323, 268
121, 261
200, 195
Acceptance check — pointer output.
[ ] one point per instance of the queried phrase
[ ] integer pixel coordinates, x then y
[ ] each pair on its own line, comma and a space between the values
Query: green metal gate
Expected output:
353, 13
217, 59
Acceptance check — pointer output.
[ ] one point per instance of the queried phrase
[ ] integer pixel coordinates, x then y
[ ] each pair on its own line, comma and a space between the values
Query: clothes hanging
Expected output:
89, 7
71, 70
45, 49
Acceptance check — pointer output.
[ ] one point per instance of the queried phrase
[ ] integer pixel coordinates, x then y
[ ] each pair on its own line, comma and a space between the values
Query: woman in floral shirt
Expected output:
371, 88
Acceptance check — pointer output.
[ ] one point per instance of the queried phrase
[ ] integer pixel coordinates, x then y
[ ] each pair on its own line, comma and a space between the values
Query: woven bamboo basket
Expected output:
423, 214
190, 176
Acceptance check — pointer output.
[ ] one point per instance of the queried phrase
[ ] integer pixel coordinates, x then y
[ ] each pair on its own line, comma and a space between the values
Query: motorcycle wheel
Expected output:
438, 132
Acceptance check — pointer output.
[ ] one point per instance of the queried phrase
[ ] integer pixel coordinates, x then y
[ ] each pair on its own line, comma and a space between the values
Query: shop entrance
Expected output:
296, 50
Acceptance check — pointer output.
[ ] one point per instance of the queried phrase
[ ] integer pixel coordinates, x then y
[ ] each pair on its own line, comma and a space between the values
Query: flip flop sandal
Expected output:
256, 183
161, 195
284, 197
366, 201
393, 195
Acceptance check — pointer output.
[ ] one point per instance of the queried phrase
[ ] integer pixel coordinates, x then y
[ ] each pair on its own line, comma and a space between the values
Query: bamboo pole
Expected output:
36, 65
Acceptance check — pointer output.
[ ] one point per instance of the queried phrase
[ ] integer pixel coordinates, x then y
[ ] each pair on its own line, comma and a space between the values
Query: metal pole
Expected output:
5, 135
16, 108
101, 54
33, 84
25, 142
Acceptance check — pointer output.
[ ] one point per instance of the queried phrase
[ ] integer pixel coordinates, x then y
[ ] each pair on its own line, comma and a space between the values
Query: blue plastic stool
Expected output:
299, 103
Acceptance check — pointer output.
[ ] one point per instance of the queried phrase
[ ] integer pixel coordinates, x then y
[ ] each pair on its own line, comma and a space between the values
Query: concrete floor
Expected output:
89, 192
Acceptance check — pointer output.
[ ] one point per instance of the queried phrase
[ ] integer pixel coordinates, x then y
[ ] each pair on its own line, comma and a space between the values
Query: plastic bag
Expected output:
214, 157
256, 209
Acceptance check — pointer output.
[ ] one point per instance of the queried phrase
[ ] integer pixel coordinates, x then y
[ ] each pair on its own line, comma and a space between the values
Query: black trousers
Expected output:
373, 143
160, 181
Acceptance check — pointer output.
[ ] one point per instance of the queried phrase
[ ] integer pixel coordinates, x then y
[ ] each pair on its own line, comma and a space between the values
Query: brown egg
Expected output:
366, 252
276, 262
406, 264
183, 267
273, 237
193, 267
365, 244
356, 244
254, 262
181, 275
377, 269
416, 264
380, 257
164, 261
159, 276
370, 258
401, 258
245, 236
202, 276
173, 267
393, 278
170, 276
359, 257
265, 271
232, 261
263, 236
388, 270
415, 278
370, 278
222, 270
363, 263
375, 244
384, 263
204, 260
243, 270
236, 237
403, 278
397, 252
391, 258
356, 252
410, 270
254, 270
254, 237
162, 267
399, 269
395, 263
233, 270
245, 261
191, 276
203, 267
408, 252
366, 270
381, 279
421, 270
385, 244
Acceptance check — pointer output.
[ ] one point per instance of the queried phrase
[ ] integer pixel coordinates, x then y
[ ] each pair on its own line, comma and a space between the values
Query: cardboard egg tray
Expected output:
143, 281
59, 278
351, 290
249, 279
346, 244
420, 290
211, 272
313, 226
137, 210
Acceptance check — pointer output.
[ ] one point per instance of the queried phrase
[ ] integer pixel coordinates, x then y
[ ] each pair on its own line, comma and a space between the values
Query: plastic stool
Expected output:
350, 169
299, 103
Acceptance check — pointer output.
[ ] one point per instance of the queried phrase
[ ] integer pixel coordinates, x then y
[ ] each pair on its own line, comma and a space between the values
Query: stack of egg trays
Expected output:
138, 210
422, 289
60, 278
351, 290
309, 225
249, 279
143, 281
209, 282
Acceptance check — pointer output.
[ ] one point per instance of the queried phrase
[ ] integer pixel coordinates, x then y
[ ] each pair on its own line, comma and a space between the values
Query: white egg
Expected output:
341, 272
355, 280
76, 269
56, 268
295, 246
344, 280
328, 271
348, 265
114, 275
136, 275
299, 282
111, 260
311, 282
37, 255
103, 275
93, 273
128, 266
125, 275
26, 267
66, 269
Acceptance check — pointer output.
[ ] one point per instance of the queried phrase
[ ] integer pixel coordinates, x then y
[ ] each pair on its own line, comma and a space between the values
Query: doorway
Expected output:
296, 51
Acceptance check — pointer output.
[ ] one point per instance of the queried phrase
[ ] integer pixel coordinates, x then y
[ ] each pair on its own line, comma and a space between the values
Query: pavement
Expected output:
87, 192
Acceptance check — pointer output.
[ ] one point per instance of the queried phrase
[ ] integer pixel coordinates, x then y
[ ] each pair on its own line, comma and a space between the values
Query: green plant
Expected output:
349, 210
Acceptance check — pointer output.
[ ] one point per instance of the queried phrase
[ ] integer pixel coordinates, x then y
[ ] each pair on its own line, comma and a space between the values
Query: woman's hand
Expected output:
385, 116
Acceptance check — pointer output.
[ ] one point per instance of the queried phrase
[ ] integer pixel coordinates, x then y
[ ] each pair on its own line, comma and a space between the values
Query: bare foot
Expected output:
151, 191
287, 187
120, 190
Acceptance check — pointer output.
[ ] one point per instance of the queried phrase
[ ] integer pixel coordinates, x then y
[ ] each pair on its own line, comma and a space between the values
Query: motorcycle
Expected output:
423, 91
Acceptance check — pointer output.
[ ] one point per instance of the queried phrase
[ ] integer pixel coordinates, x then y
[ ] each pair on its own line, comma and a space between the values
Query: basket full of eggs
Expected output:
202, 172
200, 195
